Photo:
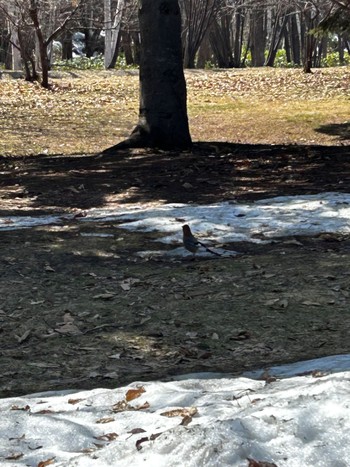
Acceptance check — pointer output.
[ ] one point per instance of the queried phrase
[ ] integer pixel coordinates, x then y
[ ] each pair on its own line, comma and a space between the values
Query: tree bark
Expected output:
295, 40
44, 59
258, 36
67, 46
163, 118
112, 32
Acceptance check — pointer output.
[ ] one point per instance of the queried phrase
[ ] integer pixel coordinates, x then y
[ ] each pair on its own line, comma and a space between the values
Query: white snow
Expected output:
260, 221
232, 222
294, 421
299, 420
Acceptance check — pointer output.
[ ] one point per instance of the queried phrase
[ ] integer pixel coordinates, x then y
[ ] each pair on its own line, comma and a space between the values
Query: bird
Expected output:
191, 243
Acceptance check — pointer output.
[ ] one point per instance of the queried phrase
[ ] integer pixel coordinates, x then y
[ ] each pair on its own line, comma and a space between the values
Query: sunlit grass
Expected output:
94, 110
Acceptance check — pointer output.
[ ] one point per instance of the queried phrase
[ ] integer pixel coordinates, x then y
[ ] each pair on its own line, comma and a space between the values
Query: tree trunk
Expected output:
112, 31
295, 40
341, 49
126, 46
67, 46
44, 59
258, 36
287, 46
163, 118
204, 52
16, 53
238, 39
277, 32
220, 39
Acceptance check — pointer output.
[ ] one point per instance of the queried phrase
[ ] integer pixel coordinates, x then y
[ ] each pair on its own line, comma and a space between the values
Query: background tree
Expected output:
112, 31
37, 24
198, 16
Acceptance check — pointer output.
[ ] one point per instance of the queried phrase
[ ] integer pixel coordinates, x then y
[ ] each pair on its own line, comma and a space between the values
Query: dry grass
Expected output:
93, 110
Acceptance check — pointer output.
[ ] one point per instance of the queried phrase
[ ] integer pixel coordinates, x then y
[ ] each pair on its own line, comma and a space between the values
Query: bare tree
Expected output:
198, 16
31, 19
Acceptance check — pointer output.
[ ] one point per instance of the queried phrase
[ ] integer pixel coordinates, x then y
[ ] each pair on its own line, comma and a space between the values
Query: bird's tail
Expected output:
208, 249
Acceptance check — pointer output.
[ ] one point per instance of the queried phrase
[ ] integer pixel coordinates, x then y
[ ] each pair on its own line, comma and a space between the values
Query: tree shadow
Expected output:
342, 130
210, 172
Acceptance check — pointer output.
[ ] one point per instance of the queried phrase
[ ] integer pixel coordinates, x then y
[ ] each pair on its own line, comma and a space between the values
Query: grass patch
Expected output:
88, 111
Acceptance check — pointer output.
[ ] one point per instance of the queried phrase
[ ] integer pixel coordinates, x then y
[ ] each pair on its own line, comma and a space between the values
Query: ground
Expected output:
83, 311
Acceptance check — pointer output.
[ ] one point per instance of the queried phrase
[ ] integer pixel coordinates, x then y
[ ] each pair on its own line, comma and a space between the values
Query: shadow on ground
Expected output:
208, 173
341, 130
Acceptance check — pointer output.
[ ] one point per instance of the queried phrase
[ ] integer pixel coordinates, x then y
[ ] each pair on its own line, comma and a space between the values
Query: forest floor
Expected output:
83, 311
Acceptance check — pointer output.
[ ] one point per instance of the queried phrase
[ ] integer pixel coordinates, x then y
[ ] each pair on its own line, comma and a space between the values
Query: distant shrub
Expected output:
332, 59
93, 63
281, 60
81, 63
246, 58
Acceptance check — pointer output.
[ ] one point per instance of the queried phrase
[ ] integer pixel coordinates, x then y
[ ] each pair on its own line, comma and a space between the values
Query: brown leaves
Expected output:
105, 420
134, 393
107, 437
182, 412
254, 463
14, 456
96, 101
273, 84
68, 326
131, 394
146, 438
17, 407
46, 462
126, 284
185, 413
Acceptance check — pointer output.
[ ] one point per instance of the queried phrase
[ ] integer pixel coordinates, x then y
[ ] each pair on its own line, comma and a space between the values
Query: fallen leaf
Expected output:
115, 356
292, 242
14, 456
107, 437
68, 318
187, 419
192, 335
136, 431
45, 412
17, 407
47, 462
146, 438
271, 302
39, 302
241, 336
254, 463
23, 337
120, 406
127, 283
183, 412
140, 441
134, 393
105, 420
104, 296
144, 406
69, 328
74, 401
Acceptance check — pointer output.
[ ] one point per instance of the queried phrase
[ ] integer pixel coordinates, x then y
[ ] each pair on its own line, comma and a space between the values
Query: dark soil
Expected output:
81, 311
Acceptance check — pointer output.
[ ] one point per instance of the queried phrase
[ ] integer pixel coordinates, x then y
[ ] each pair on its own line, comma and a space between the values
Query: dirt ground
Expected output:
81, 311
